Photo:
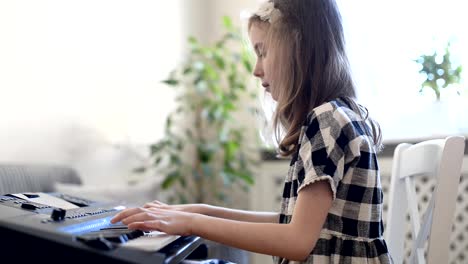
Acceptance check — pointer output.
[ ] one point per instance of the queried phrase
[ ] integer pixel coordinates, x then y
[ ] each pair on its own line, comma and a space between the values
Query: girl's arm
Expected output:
293, 241
220, 212
241, 215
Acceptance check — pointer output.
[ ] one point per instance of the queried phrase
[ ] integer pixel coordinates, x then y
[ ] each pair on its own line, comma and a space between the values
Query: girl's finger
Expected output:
153, 225
149, 205
154, 203
126, 213
158, 202
143, 216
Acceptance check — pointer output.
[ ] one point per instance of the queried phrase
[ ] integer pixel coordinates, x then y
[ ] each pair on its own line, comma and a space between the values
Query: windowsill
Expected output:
413, 120
388, 150
391, 144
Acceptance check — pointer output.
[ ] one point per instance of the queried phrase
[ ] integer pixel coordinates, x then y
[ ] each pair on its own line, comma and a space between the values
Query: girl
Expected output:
332, 199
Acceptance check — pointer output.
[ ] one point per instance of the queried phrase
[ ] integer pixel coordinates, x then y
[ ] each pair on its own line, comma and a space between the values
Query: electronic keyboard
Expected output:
58, 228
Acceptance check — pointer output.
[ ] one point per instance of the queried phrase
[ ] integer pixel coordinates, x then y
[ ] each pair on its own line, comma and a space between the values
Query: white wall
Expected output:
79, 77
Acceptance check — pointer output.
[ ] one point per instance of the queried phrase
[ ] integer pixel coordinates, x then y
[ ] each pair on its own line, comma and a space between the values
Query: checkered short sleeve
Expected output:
330, 141
336, 145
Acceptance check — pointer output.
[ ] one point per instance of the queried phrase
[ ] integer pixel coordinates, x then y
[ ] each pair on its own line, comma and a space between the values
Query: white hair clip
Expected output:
268, 13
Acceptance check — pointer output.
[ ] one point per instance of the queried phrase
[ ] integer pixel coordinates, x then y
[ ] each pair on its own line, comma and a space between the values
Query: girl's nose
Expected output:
258, 70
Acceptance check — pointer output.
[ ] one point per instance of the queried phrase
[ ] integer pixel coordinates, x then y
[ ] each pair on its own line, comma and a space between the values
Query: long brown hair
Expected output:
308, 48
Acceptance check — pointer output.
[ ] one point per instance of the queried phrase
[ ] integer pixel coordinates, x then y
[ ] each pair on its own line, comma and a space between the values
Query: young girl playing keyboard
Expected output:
332, 200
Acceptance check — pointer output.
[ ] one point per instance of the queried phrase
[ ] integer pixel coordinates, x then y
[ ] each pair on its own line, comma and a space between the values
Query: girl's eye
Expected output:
260, 50
258, 53
261, 54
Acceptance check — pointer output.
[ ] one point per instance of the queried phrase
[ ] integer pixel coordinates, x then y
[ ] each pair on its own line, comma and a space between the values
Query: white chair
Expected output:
442, 159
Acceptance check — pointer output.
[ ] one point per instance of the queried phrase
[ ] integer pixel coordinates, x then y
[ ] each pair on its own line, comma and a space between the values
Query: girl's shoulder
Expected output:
337, 123
339, 111
338, 119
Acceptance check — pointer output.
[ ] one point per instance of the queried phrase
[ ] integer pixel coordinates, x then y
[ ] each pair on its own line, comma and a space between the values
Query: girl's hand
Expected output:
172, 222
190, 208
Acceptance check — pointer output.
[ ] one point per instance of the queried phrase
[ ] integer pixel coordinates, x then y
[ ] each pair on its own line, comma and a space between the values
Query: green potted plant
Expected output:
205, 150
438, 74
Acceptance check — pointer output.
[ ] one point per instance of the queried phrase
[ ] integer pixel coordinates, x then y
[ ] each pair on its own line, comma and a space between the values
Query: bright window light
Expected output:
99, 62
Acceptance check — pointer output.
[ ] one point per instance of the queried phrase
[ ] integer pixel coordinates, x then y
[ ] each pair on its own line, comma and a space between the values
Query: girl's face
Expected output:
262, 70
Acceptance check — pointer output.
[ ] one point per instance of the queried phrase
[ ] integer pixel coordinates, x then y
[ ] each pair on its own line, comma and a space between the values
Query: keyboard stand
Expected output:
180, 249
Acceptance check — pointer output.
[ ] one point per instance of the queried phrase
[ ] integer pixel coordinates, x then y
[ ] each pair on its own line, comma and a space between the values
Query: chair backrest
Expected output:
442, 159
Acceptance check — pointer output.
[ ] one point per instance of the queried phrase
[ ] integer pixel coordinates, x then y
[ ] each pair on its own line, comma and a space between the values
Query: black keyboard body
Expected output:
37, 233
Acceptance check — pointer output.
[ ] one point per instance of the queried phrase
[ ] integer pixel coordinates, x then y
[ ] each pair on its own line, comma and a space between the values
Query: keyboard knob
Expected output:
58, 214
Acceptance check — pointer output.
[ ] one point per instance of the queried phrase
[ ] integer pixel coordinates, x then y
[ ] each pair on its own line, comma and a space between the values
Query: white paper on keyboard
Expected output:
47, 199
152, 241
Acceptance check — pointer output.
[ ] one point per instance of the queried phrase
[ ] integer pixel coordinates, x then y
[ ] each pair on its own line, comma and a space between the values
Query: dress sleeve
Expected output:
327, 145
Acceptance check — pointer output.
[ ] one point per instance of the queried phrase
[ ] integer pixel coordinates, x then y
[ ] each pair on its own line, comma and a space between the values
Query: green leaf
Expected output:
247, 65
157, 161
246, 177
157, 147
241, 86
175, 160
192, 40
230, 149
227, 22
183, 182
179, 145
220, 43
219, 60
204, 154
229, 105
187, 71
171, 82
170, 179
210, 73
169, 122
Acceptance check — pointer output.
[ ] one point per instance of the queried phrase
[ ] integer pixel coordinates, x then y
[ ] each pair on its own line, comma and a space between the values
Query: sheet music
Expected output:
47, 199
152, 241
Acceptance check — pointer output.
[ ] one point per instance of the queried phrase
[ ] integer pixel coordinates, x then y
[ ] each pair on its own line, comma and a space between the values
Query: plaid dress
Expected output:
336, 146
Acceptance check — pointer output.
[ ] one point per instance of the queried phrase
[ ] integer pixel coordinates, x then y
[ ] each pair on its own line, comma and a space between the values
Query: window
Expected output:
384, 38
